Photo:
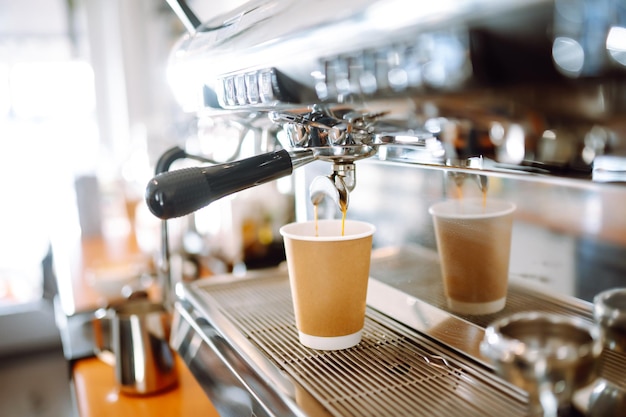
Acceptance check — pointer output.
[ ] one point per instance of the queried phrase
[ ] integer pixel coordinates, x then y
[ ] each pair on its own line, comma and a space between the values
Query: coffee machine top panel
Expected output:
270, 53
541, 82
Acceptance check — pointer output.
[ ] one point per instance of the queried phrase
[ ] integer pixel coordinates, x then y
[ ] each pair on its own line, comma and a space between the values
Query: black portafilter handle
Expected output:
181, 192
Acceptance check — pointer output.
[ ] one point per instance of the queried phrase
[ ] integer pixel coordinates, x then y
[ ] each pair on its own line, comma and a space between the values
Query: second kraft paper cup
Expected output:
474, 244
328, 275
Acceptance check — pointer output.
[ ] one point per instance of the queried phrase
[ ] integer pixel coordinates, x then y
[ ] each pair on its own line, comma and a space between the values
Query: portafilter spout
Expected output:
332, 186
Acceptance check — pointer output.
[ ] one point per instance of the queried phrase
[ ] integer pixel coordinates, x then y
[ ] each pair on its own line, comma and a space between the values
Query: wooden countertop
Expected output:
97, 395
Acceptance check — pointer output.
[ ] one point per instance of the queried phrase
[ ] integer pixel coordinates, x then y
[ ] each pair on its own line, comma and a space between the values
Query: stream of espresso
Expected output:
344, 211
459, 193
315, 217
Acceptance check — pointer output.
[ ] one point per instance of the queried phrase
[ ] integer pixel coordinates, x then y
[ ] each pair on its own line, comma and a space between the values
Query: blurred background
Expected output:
85, 109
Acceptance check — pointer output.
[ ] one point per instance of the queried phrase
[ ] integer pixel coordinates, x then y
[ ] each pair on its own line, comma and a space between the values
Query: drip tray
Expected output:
394, 371
409, 288
415, 358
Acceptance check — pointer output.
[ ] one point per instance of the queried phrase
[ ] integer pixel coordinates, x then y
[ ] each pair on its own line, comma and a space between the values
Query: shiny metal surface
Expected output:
609, 311
548, 355
393, 371
429, 356
297, 36
332, 187
410, 290
342, 137
479, 89
608, 396
464, 73
133, 337
185, 14
229, 371
606, 400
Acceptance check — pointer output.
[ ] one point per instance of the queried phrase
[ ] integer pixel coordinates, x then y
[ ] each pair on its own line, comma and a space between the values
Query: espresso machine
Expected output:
383, 107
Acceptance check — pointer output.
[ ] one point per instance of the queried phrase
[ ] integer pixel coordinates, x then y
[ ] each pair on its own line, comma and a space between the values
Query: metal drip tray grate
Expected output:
394, 371
415, 357
415, 271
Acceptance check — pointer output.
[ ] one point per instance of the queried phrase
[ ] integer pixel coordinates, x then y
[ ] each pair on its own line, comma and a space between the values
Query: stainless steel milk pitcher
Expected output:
133, 337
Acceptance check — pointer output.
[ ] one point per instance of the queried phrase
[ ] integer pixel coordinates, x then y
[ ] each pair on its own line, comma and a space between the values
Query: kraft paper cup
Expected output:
328, 275
474, 244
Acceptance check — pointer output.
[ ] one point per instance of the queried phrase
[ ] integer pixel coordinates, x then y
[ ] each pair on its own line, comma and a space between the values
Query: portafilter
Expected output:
337, 136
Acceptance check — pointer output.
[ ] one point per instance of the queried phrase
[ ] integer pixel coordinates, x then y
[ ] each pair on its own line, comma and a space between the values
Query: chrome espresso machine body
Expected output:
522, 100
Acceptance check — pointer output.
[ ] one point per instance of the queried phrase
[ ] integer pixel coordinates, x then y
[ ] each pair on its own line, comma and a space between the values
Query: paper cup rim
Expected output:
504, 208
287, 233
